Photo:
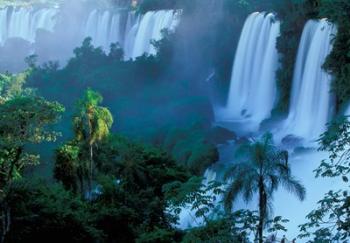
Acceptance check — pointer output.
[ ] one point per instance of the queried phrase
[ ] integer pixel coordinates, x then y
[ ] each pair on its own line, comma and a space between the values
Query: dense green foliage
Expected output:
24, 121
237, 227
132, 181
149, 105
12, 85
338, 62
44, 212
216, 225
91, 124
128, 177
187, 146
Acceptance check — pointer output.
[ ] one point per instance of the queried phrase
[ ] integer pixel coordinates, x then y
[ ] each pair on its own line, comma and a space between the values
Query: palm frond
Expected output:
250, 187
238, 169
232, 192
273, 182
294, 186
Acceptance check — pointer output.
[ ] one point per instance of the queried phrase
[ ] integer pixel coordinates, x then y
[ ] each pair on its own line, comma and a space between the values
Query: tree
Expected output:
131, 203
338, 61
44, 212
91, 124
67, 167
12, 85
214, 225
24, 120
132, 168
330, 221
262, 170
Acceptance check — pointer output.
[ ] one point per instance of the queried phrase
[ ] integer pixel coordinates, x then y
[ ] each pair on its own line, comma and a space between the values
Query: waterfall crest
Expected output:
311, 101
253, 88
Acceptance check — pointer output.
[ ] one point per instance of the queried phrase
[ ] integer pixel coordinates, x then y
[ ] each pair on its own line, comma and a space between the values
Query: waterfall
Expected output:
149, 28
25, 22
3, 25
105, 28
253, 88
116, 32
311, 101
346, 112
143, 35
133, 32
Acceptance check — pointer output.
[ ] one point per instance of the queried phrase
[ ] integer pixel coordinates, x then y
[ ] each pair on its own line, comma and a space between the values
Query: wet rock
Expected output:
292, 141
220, 135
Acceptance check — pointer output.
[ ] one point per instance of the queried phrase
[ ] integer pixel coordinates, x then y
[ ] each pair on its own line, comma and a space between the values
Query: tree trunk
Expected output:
17, 158
3, 227
262, 210
6, 212
81, 184
5, 222
91, 168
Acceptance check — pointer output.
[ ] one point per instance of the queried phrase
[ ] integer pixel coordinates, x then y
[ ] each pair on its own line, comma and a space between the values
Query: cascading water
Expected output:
133, 32
24, 22
253, 89
104, 27
143, 35
311, 101
3, 25
149, 28
310, 110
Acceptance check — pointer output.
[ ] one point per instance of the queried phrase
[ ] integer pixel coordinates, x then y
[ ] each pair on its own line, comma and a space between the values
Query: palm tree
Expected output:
262, 170
91, 124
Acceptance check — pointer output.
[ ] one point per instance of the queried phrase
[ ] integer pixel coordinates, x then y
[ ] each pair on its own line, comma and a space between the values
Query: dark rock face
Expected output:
291, 141
220, 135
